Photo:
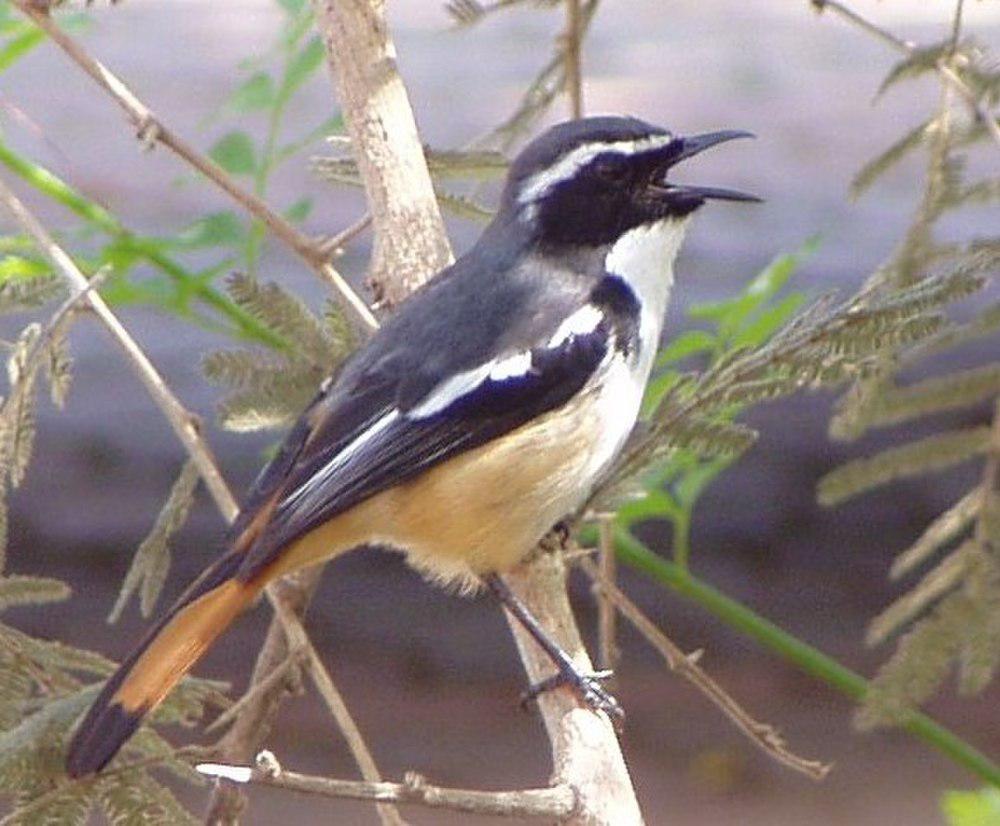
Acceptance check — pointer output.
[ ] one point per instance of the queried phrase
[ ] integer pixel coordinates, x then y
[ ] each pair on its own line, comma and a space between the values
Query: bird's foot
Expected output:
587, 688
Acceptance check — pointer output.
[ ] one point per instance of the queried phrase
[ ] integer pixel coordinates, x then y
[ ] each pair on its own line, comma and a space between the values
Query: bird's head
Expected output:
588, 182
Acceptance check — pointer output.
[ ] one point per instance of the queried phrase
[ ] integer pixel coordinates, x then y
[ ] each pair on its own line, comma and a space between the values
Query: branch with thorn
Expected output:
764, 736
555, 803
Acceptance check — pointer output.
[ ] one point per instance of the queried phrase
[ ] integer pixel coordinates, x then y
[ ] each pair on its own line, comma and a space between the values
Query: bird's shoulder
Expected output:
474, 313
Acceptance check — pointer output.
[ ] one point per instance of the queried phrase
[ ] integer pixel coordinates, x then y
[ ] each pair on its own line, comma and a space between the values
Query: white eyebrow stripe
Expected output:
337, 461
583, 321
539, 183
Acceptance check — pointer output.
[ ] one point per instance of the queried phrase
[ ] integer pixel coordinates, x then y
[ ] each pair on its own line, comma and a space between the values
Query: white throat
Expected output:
644, 258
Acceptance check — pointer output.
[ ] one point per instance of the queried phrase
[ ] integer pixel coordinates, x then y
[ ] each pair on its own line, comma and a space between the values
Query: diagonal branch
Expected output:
185, 425
152, 130
944, 67
762, 735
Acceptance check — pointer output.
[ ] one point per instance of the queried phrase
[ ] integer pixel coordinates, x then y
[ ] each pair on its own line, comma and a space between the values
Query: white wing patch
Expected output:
538, 184
447, 392
320, 478
452, 388
583, 321
511, 367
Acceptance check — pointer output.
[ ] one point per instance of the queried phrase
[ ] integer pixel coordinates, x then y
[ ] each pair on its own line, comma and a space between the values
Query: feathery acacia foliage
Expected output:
267, 391
758, 345
949, 618
757, 356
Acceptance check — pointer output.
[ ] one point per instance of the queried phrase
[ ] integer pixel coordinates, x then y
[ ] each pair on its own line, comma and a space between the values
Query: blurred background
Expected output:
434, 679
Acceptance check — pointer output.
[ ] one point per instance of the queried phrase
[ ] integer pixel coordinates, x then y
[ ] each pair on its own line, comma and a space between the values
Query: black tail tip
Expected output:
99, 738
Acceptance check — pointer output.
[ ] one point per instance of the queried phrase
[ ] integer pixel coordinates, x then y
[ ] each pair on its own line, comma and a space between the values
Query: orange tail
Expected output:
167, 653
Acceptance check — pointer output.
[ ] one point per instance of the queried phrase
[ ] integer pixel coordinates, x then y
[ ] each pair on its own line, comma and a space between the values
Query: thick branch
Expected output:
410, 239
585, 751
152, 130
556, 803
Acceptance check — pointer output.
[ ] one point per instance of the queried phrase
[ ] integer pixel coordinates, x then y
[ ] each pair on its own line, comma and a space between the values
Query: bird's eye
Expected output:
611, 168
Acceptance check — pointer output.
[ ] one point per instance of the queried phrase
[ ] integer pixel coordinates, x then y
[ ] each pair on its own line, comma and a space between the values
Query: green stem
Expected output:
804, 656
95, 215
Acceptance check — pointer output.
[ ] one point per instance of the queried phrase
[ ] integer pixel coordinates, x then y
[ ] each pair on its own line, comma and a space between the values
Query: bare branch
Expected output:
152, 130
585, 751
555, 803
298, 640
907, 47
764, 736
185, 426
277, 676
572, 57
607, 616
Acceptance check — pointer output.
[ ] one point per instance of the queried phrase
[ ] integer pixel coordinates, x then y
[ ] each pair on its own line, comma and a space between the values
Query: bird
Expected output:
483, 411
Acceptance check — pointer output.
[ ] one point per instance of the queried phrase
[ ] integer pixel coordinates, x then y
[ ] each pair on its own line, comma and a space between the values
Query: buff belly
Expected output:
484, 510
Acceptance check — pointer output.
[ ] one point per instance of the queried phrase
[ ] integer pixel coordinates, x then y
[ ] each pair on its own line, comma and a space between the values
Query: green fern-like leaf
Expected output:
932, 453
31, 590
878, 166
267, 393
286, 315
957, 390
58, 365
135, 799
65, 805
939, 581
17, 416
18, 294
946, 528
920, 663
919, 62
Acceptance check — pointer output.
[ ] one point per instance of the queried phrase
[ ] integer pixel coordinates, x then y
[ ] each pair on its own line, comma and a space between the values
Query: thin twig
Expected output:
607, 617
908, 47
152, 130
571, 55
555, 803
762, 735
298, 640
334, 245
956, 26
292, 662
185, 426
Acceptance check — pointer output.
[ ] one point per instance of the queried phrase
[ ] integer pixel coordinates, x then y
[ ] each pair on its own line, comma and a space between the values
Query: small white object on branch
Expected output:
554, 803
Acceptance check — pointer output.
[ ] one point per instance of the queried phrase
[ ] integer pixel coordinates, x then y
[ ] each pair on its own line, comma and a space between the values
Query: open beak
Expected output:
684, 148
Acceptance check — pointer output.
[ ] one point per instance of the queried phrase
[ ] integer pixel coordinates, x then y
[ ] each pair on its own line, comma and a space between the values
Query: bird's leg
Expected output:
586, 686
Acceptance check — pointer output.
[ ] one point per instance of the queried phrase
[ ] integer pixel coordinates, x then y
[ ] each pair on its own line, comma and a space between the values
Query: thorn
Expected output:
695, 656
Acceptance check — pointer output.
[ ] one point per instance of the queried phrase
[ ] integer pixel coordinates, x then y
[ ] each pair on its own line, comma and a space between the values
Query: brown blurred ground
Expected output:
433, 679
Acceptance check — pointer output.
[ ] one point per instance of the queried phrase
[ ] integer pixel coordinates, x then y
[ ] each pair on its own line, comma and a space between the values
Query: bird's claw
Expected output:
587, 688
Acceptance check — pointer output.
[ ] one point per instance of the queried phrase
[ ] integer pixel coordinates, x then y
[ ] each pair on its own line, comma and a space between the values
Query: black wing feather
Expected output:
410, 445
